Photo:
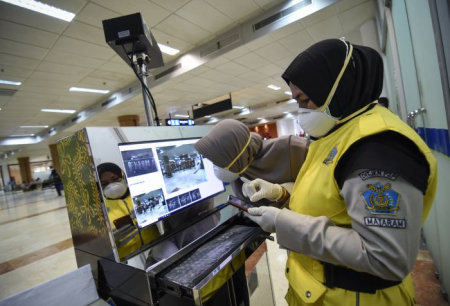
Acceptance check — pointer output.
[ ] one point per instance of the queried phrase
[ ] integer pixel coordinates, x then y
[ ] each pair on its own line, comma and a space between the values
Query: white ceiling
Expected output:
48, 56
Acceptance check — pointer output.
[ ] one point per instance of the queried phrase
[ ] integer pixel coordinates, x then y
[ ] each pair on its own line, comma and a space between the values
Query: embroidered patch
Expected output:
377, 173
385, 222
331, 155
381, 200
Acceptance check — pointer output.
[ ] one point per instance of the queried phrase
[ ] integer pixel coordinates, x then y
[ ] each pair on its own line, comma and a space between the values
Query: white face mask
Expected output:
314, 122
225, 175
115, 190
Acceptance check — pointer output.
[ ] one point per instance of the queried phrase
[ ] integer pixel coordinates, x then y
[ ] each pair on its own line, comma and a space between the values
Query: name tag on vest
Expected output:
385, 222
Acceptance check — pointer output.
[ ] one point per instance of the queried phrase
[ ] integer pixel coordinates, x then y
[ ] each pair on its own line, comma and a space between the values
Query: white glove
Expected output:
260, 189
265, 216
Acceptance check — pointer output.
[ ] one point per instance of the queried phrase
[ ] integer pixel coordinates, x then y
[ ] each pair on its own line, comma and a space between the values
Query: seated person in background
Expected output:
128, 236
237, 152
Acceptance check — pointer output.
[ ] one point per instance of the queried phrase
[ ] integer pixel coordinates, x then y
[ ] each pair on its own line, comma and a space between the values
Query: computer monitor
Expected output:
165, 177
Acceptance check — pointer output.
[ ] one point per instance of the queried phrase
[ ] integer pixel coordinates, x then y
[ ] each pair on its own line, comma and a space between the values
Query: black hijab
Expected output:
316, 69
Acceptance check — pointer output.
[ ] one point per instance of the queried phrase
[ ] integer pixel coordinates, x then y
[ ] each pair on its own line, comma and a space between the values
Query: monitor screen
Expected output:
165, 177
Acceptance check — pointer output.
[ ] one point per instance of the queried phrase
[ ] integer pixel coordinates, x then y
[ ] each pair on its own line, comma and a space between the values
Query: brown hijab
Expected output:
275, 160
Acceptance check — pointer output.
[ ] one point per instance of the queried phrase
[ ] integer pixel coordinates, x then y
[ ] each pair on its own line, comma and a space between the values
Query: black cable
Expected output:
146, 90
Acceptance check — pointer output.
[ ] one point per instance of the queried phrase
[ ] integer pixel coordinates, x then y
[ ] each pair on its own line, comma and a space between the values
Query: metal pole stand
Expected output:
143, 74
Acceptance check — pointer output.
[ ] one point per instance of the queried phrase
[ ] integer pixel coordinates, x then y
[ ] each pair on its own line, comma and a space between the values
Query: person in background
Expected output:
364, 191
383, 101
128, 236
237, 152
54, 176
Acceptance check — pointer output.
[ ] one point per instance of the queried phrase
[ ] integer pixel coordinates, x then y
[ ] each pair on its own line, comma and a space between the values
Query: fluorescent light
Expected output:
288, 93
182, 116
21, 135
238, 107
10, 82
33, 126
43, 9
167, 49
65, 111
260, 118
285, 112
207, 116
274, 87
88, 90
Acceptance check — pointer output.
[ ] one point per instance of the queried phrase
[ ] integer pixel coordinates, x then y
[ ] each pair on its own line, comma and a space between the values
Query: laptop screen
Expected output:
165, 177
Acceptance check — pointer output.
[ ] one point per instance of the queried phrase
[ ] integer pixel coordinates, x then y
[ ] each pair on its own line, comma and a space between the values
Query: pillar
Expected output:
55, 157
25, 169
128, 120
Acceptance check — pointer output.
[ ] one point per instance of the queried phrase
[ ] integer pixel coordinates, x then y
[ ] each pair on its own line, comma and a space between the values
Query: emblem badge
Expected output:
331, 155
381, 200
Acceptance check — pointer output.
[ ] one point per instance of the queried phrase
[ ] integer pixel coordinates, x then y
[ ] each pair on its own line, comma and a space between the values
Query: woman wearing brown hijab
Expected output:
364, 191
235, 151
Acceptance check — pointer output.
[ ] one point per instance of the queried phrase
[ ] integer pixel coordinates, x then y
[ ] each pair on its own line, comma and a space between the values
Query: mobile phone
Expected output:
238, 203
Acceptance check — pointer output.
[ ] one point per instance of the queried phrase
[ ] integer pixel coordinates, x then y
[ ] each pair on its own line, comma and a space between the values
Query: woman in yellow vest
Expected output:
129, 238
363, 193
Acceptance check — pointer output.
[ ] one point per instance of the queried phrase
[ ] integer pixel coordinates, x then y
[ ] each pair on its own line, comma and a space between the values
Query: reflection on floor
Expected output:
36, 246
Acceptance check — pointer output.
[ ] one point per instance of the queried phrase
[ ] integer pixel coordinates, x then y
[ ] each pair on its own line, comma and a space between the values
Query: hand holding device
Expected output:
260, 189
264, 216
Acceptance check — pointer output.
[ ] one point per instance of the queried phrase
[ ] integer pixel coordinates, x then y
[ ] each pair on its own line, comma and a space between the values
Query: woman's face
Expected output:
108, 177
303, 100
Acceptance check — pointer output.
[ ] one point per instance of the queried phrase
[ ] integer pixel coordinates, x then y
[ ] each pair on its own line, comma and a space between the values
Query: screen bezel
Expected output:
170, 214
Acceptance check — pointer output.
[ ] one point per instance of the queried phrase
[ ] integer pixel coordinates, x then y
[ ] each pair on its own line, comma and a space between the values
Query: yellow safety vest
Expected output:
316, 193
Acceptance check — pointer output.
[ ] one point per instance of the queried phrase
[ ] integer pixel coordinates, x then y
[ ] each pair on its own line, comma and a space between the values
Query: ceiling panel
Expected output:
86, 32
73, 59
216, 62
319, 16
287, 30
29, 18
94, 14
354, 38
13, 71
216, 75
43, 90
204, 15
152, 13
113, 76
252, 61
63, 69
20, 49
71, 45
235, 9
180, 28
56, 77
27, 35
171, 5
296, 43
73, 6
232, 68
274, 52
260, 42
119, 68
344, 5
17, 61
353, 18
252, 76
270, 70
330, 28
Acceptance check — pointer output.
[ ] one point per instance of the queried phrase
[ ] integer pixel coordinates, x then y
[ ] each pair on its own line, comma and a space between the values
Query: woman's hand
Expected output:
260, 189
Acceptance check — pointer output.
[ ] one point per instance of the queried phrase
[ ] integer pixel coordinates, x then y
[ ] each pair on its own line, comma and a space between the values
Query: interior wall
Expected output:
423, 88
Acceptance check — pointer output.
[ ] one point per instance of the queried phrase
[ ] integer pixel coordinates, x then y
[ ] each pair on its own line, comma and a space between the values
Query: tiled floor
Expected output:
36, 246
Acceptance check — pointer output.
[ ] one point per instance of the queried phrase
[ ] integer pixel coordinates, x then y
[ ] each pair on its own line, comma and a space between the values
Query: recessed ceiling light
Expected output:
43, 9
10, 82
238, 107
288, 93
88, 90
207, 116
285, 112
65, 111
260, 118
167, 49
274, 87
182, 116
33, 126
21, 135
